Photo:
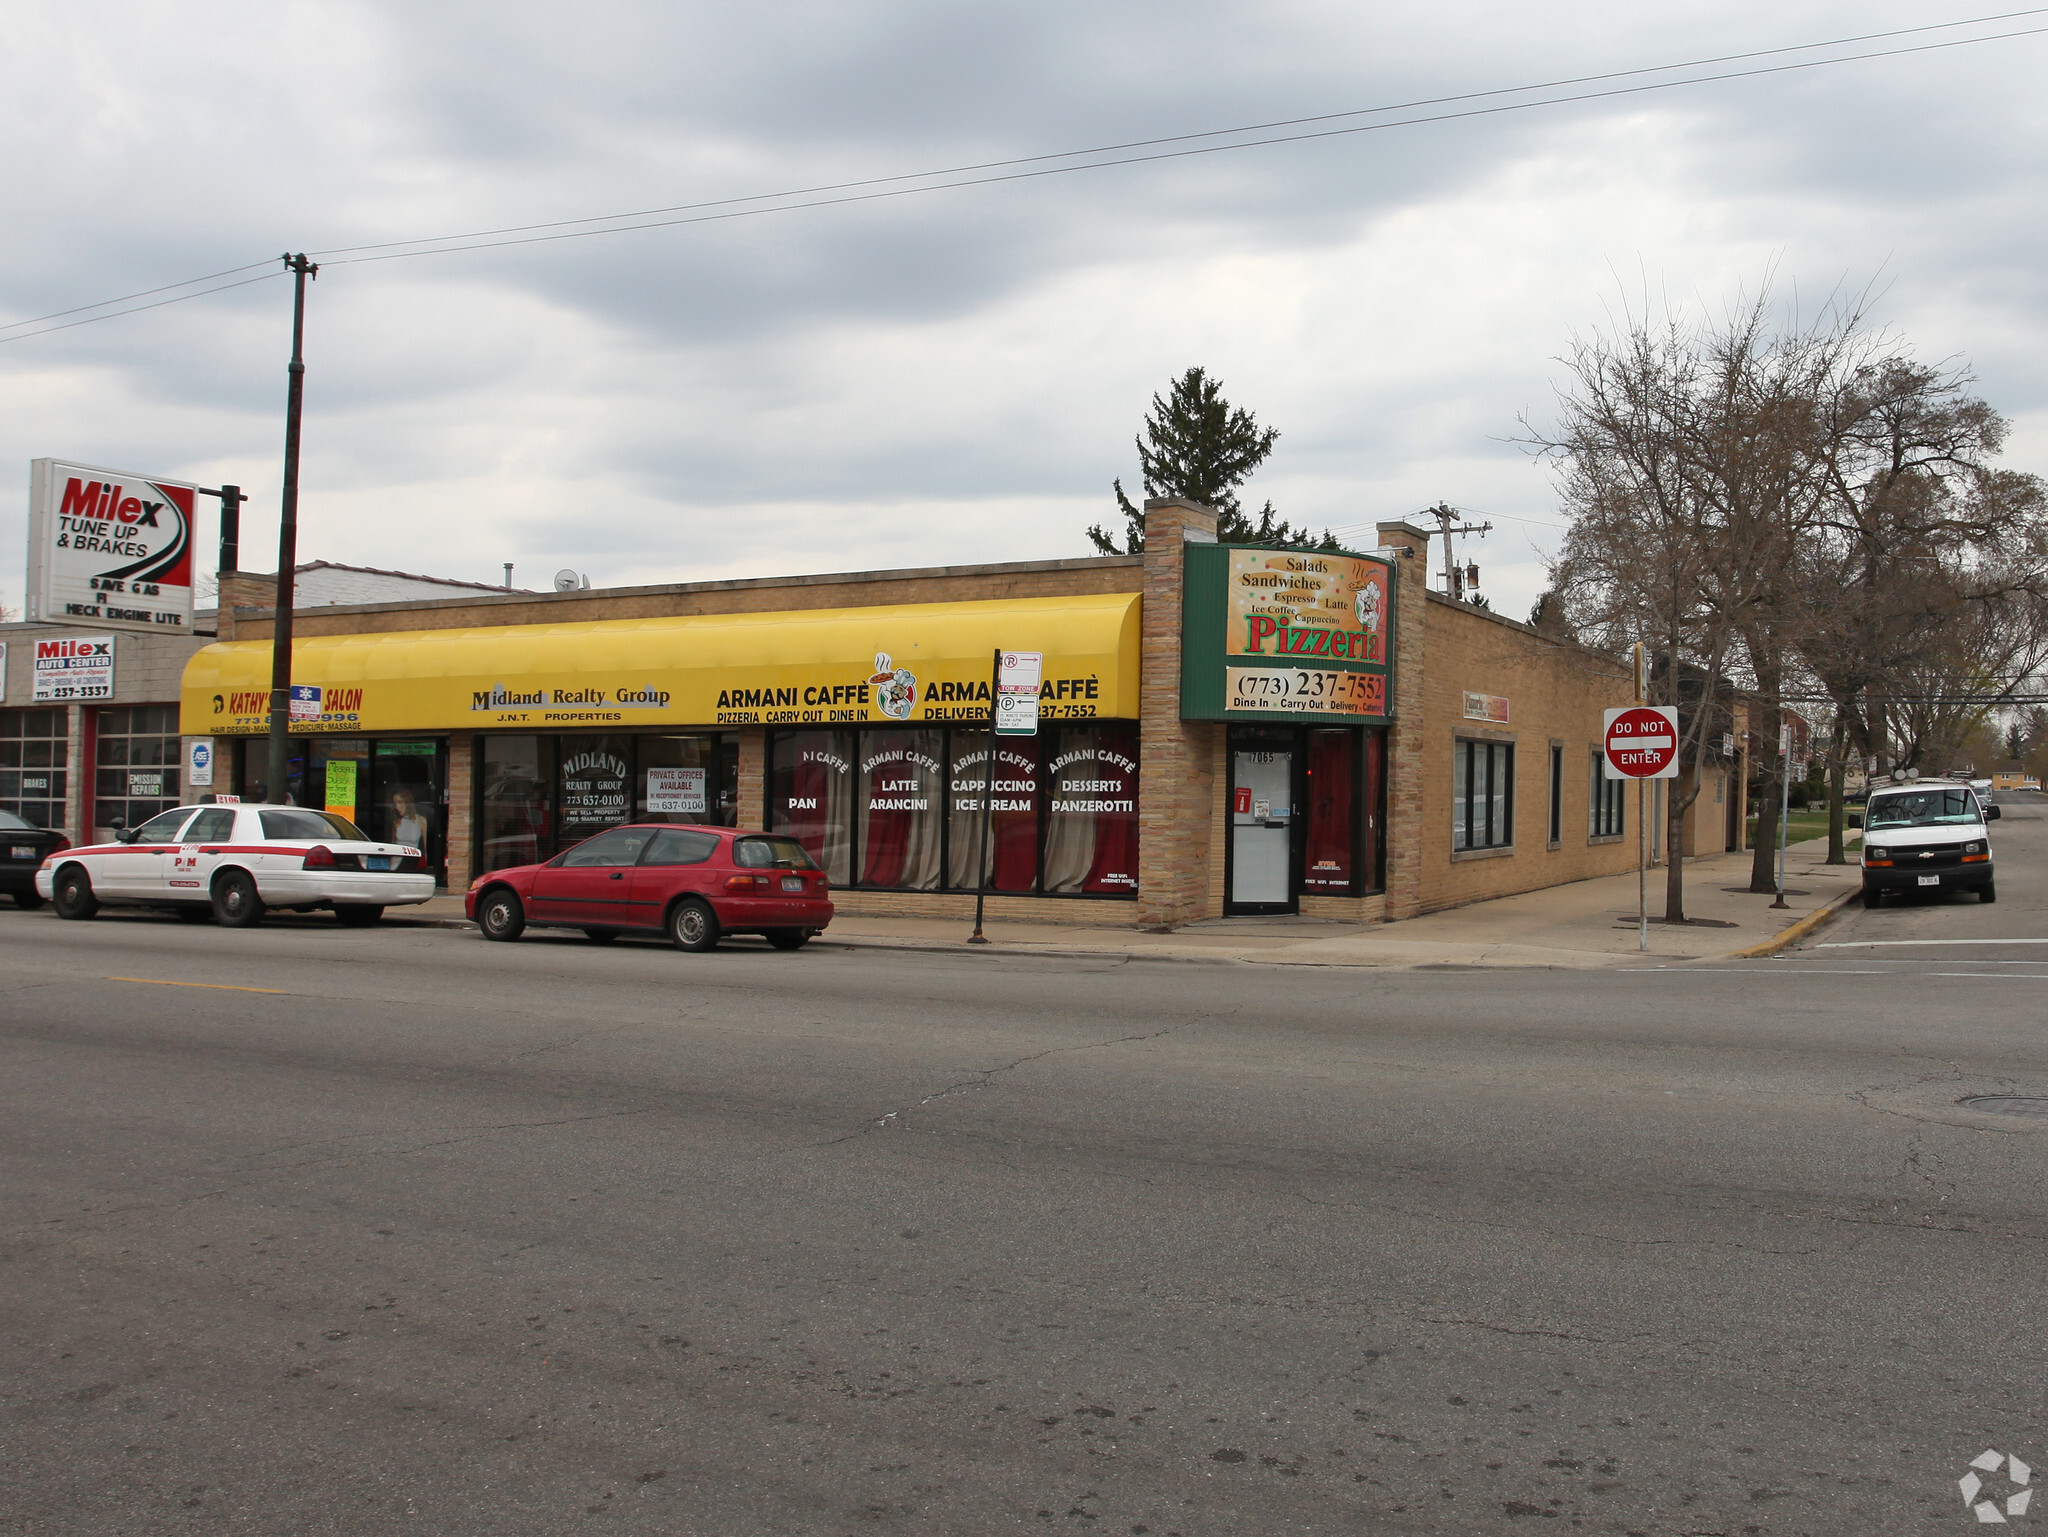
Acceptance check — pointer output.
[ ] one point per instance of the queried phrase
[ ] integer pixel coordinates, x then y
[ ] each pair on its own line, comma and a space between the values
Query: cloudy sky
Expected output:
947, 376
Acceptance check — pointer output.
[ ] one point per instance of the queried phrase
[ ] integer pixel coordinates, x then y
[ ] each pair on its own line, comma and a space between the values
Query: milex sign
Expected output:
1285, 635
110, 549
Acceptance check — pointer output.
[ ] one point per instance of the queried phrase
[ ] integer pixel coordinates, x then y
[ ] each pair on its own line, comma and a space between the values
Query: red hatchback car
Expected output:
694, 884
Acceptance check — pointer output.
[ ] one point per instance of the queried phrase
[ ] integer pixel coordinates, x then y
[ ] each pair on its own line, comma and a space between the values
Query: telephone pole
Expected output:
288, 540
1454, 575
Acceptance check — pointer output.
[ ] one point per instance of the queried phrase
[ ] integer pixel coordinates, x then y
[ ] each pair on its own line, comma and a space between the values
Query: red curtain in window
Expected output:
1332, 812
1115, 867
1371, 798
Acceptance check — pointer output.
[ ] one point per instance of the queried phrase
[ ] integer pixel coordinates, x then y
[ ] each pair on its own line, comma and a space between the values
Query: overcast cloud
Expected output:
954, 376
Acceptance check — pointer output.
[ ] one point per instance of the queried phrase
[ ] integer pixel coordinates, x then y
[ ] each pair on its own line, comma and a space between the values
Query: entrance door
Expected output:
407, 797
1262, 830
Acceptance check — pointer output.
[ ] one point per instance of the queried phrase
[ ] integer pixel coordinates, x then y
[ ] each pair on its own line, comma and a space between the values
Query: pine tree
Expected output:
1197, 445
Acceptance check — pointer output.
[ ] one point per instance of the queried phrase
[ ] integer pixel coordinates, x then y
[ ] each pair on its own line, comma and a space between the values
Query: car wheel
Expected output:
235, 902
600, 936
1988, 892
358, 917
1872, 897
192, 912
74, 893
28, 901
501, 917
788, 939
692, 925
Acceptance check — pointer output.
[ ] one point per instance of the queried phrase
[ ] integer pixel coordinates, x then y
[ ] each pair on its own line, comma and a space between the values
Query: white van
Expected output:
1927, 835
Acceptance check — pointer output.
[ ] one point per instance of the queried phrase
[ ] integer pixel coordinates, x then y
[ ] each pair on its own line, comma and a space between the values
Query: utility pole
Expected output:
1455, 576
231, 500
288, 540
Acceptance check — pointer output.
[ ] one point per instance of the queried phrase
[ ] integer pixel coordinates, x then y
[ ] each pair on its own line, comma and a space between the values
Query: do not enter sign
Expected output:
1642, 742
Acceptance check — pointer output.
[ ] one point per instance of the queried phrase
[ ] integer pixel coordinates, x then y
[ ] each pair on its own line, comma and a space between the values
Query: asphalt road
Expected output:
457, 1238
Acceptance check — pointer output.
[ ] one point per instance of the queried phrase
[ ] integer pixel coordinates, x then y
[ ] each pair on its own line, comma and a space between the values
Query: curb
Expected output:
1814, 920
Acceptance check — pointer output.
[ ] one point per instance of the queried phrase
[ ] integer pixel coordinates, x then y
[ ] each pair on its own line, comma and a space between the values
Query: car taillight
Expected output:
60, 845
745, 882
318, 857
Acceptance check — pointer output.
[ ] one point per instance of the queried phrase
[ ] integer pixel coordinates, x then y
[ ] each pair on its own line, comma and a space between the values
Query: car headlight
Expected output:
1873, 853
1973, 848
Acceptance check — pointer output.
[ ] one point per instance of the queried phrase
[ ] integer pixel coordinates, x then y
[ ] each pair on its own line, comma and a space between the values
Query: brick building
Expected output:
1420, 754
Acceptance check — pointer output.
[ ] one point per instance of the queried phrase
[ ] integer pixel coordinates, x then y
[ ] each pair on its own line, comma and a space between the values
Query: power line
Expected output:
1178, 154
124, 298
777, 202
1212, 133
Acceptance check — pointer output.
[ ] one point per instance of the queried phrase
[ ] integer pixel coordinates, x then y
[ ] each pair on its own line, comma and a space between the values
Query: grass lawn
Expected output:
1802, 825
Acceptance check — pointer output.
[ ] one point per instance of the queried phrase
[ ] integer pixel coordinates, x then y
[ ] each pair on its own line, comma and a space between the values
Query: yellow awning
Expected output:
922, 662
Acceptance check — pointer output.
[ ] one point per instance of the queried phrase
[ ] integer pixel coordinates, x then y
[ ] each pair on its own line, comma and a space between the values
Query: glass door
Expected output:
406, 800
1262, 826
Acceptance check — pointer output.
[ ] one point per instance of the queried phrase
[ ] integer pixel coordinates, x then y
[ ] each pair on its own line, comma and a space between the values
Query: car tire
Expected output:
788, 939
358, 917
27, 901
500, 917
1872, 897
236, 904
74, 893
1988, 892
600, 936
192, 912
692, 925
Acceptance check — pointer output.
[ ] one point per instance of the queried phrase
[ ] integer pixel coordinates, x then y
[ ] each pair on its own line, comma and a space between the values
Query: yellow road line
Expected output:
219, 987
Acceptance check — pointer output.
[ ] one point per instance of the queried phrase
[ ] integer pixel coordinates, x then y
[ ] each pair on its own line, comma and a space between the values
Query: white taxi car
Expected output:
234, 863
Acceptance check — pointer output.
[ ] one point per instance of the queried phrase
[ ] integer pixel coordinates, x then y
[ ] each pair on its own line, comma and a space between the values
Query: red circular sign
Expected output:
1641, 743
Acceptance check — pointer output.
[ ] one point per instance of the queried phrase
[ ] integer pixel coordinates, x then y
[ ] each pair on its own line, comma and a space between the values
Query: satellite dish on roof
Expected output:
565, 581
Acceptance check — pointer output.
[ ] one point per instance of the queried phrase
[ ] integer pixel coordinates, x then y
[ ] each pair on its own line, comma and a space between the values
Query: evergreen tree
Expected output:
1197, 445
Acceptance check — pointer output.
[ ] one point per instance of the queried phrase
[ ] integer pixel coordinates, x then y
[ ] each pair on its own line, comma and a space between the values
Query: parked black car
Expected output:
23, 847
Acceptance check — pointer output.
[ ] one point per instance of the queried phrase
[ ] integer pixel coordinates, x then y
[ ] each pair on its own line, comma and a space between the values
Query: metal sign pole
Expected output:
1784, 804
1642, 827
988, 790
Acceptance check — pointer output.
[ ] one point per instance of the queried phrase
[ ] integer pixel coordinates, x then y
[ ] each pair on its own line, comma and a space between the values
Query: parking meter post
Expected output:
988, 790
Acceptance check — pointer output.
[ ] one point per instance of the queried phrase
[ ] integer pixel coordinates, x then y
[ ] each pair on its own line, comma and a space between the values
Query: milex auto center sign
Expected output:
110, 549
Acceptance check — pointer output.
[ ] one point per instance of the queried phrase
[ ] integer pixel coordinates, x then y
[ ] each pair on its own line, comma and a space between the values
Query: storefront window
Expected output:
32, 765
408, 786
810, 796
1329, 859
136, 764
681, 779
1091, 838
900, 811
513, 824
595, 774
1012, 863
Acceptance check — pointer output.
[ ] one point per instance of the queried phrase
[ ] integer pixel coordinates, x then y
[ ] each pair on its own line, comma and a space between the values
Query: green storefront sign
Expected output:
1294, 636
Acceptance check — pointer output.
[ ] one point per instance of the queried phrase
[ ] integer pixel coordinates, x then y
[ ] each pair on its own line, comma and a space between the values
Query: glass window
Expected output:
1922, 808
10, 823
1609, 801
594, 780
1330, 840
164, 828
771, 854
1482, 795
296, 824
213, 825
405, 796
901, 809
514, 825
1012, 863
1556, 794
679, 848
810, 797
686, 779
33, 756
620, 846
135, 764
1091, 824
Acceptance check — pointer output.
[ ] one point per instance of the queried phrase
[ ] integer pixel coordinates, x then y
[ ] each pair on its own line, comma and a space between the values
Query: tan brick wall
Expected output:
462, 756
1099, 913
1553, 692
940, 584
1177, 758
1407, 737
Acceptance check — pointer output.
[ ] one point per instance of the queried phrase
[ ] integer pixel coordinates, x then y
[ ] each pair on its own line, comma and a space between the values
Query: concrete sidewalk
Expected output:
1586, 925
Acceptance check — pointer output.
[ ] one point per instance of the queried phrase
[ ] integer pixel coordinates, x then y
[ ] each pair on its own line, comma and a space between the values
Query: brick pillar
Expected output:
461, 830
78, 773
1409, 818
1176, 769
753, 778
242, 589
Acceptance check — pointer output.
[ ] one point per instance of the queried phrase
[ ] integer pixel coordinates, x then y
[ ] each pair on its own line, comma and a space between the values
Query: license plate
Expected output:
376, 861
793, 883
23, 851
1930, 880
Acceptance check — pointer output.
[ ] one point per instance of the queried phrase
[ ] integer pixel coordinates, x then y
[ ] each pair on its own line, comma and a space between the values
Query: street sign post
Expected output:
1642, 744
1012, 711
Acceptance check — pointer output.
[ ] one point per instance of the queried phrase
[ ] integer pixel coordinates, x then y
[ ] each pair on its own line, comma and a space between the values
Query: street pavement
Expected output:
316, 1230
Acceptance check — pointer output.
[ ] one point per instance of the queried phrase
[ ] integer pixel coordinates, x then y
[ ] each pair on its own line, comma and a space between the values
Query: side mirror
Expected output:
1992, 813
1854, 819
126, 834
